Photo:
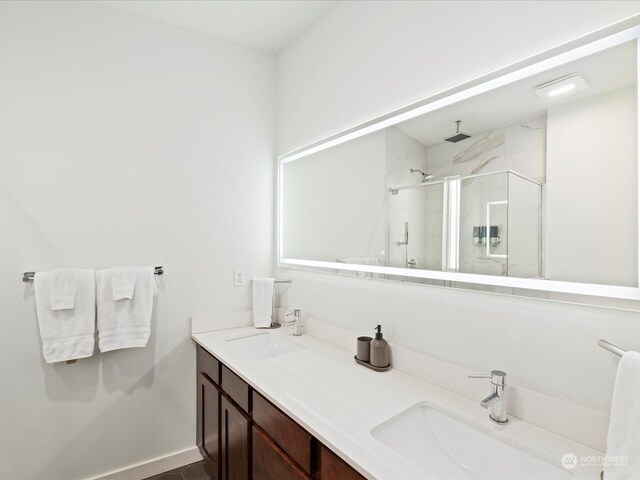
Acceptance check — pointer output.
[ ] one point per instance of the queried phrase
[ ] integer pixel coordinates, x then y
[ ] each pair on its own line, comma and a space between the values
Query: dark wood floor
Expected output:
195, 471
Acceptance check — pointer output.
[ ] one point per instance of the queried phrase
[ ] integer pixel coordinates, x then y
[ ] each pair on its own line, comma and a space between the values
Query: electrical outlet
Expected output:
240, 277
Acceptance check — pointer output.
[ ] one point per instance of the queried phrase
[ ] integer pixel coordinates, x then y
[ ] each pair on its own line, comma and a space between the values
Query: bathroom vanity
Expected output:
243, 435
271, 405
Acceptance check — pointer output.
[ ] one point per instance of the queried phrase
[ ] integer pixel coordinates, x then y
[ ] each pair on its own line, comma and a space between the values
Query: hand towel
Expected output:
623, 441
63, 283
123, 282
262, 302
66, 334
124, 323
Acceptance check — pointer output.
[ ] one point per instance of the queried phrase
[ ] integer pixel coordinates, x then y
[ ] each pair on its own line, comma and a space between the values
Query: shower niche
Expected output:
487, 224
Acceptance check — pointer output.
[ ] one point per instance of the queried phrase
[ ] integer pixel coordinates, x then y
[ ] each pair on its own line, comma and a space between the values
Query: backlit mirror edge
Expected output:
603, 39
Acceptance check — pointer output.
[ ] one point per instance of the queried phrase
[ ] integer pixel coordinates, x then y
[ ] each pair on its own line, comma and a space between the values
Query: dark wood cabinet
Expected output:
209, 421
270, 462
236, 388
246, 437
333, 467
287, 434
208, 407
235, 430
208, 365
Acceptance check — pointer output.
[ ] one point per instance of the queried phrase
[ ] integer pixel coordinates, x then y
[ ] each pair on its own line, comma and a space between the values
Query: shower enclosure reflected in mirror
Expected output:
488, 223
528, 181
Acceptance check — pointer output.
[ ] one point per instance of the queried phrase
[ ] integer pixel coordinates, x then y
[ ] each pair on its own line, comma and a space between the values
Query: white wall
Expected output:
123, 141
592, 161
344, 187
366, 58
363, 59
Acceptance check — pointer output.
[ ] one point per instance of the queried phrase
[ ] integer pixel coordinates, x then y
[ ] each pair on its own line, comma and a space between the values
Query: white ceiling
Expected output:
516, 103
268, 25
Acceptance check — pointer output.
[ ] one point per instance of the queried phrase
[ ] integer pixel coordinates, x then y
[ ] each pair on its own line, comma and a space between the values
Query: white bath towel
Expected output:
63, 283
262, 302
623, 441
124, 323
123, 282
67, 334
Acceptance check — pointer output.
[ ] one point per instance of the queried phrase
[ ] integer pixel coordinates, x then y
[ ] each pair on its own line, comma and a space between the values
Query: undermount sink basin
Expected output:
447, 448
261, 346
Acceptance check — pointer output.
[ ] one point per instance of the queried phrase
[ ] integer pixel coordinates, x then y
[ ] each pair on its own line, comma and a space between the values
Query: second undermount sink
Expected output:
448, 448
262, 346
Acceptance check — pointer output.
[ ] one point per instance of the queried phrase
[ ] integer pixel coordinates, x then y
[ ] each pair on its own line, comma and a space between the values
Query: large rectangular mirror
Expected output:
528, 180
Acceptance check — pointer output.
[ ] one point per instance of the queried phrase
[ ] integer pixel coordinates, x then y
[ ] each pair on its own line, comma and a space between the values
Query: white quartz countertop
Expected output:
338, 401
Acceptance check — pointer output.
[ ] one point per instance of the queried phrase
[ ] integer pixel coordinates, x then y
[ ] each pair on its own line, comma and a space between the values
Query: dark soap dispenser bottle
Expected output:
379, 350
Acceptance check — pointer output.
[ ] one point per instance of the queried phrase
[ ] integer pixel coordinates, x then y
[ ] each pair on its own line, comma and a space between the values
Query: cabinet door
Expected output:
235, 437
208, 417
287, 434
333, 467
270, 462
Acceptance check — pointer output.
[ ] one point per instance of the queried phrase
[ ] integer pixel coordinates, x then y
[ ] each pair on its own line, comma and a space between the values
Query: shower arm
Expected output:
425, 176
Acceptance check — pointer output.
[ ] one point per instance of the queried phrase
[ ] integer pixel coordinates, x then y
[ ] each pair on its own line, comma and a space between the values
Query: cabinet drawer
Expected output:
208, 365
287, 434
236, 388
271, 463
333, 467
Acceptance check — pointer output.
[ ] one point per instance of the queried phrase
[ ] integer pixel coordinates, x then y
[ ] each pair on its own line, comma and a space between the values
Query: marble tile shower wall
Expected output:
521, 148
402, 154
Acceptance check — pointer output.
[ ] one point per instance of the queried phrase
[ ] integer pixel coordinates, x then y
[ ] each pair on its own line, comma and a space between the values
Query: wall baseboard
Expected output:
154, 466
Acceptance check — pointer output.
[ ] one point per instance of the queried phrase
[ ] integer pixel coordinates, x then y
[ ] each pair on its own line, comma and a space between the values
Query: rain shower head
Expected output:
459, 135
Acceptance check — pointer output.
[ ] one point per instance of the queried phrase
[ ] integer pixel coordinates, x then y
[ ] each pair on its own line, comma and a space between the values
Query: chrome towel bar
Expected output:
611, 347
28, 276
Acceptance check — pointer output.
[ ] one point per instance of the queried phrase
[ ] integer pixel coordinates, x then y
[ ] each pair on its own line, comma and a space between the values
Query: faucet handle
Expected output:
498, 377
295, 313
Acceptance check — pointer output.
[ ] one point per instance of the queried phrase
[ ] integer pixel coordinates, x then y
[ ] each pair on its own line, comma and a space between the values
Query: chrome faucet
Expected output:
296, 322
497, 401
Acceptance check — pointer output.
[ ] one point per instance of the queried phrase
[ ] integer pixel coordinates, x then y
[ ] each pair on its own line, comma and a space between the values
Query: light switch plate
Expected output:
240, 277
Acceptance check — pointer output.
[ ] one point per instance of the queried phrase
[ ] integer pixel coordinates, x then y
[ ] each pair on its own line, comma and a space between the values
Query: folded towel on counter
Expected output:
63, 283
124, 323
123, 282
623, 440
69, 333
262, 301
